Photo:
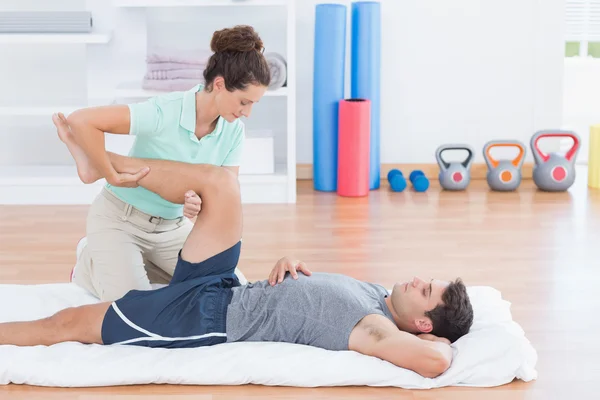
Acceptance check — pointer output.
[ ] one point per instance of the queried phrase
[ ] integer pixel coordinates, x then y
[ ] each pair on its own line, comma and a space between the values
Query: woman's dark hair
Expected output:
238, 58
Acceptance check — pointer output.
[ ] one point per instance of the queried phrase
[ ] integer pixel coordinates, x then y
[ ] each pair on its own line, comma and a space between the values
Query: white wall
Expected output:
454, 71
581, 101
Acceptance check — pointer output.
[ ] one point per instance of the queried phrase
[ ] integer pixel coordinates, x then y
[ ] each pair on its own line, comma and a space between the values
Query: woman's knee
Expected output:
117, 288
117, 268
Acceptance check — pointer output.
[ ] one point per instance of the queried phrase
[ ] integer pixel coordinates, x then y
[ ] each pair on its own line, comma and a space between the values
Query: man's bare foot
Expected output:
86, 171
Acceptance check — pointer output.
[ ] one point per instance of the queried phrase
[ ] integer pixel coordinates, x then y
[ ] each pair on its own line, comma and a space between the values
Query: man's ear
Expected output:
424, 325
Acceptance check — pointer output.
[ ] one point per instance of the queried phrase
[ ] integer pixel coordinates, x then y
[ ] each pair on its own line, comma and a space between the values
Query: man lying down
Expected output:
205, 304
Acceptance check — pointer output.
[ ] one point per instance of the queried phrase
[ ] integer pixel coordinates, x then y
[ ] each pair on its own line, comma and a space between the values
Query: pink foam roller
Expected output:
354, 131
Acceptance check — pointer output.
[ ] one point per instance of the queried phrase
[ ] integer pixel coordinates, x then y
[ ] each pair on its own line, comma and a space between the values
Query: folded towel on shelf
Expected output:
278, 68
175, 74
170, 85
172, 66
168, 55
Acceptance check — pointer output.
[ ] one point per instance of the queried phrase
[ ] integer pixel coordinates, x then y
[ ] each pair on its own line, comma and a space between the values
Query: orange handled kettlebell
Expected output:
504, 175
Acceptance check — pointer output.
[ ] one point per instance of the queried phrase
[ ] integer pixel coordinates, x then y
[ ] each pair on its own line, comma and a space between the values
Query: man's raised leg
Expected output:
219, 223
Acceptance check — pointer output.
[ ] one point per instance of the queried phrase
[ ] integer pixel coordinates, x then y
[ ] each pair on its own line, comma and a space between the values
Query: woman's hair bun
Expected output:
238, 58
240, 38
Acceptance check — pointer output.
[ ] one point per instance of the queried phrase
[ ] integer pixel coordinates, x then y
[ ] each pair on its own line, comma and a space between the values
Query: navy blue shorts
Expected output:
190, 312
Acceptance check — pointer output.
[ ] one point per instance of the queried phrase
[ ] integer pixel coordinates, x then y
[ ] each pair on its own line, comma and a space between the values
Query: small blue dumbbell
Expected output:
419, 181
396, 180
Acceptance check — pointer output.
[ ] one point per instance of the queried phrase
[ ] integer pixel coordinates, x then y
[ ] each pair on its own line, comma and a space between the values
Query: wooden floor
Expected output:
540, 249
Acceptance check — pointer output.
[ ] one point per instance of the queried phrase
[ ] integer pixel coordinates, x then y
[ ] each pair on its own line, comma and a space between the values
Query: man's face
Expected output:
413, 298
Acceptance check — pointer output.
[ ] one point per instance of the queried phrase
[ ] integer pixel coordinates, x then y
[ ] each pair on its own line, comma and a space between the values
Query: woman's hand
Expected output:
192, 204
284, 265
128, 180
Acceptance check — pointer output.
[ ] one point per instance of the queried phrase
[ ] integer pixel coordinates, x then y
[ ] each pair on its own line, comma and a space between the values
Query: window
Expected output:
582, 28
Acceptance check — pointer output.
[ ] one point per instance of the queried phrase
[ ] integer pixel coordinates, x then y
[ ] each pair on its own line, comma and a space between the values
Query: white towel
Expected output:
494, 353
175, 55
171, 66
196, 74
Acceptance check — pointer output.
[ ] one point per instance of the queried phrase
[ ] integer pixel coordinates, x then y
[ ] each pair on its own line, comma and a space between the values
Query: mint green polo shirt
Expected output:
164, 129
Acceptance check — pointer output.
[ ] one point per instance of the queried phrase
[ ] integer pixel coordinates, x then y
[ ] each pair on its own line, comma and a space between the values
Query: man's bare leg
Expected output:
77, 324
219, 223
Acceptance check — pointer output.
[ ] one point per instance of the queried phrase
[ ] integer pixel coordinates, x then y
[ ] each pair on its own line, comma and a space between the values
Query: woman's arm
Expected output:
88, 126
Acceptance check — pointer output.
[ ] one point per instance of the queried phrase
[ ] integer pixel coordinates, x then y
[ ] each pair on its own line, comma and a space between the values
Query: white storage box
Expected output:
258, 155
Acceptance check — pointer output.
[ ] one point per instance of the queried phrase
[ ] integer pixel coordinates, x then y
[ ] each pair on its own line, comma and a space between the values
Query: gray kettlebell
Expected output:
454, 175
554, 172
504, 175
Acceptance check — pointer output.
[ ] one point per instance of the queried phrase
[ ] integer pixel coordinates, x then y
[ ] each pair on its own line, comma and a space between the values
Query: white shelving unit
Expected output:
51, 184
196, 3
87, 38
45, 185
37, 111
61, 185
134, 90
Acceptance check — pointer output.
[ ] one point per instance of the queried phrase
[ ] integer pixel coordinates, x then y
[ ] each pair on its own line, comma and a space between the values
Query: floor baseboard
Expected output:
431, 171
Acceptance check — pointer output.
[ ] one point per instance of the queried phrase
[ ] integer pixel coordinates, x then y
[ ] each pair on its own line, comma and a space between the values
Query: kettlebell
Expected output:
554, 172
454, 175
504, 175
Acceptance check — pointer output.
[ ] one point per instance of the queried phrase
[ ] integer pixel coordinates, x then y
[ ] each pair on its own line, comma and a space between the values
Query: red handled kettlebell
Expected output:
554, 172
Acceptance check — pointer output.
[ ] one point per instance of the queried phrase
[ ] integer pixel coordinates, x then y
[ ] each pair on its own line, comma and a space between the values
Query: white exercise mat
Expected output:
493, 353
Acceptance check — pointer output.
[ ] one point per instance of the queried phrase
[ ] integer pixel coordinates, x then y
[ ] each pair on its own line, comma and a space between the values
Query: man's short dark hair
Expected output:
454, 317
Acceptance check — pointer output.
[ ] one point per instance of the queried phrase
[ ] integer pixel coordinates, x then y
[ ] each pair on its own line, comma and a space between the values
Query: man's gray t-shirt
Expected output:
318, 310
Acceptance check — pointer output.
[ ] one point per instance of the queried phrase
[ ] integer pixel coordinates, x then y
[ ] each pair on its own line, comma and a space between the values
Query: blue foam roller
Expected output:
365, 73
328, 90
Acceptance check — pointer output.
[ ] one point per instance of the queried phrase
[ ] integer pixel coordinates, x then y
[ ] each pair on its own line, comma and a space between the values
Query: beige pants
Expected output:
127, 249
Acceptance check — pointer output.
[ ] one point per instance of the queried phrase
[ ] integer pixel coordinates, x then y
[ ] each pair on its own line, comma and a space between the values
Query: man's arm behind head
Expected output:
427, 358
